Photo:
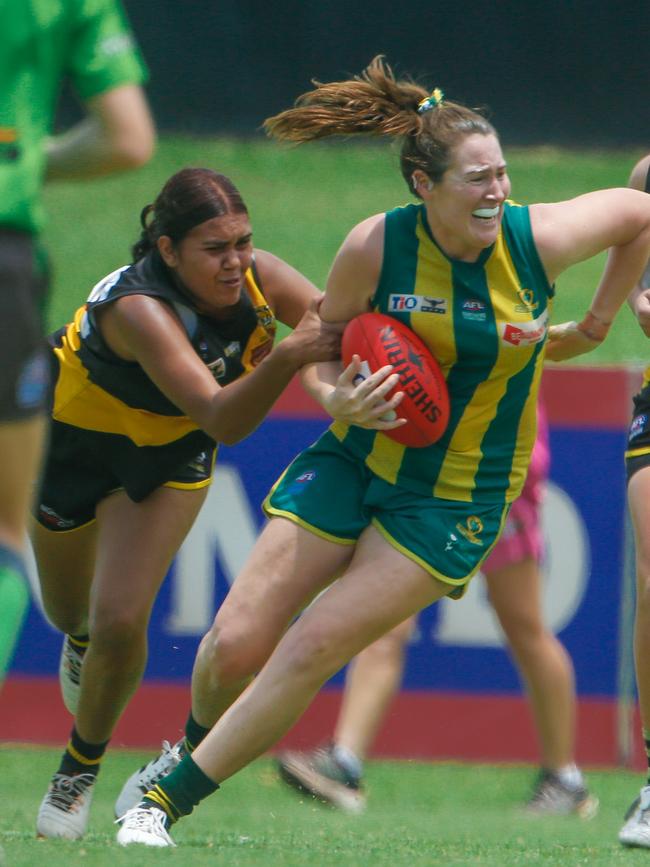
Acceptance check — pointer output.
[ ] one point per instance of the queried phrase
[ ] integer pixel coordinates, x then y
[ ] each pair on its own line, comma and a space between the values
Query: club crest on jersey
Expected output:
416, 304
527, 298
524, 333
474, 309
638, 426
217, 368
264, 316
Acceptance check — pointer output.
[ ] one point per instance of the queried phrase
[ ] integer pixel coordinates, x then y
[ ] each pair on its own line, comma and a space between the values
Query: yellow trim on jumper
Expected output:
189, 486
635, 453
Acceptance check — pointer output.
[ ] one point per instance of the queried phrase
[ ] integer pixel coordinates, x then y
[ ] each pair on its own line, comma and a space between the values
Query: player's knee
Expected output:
120, 633
383, 652
313, 654
232, 654
523, 632
68, 622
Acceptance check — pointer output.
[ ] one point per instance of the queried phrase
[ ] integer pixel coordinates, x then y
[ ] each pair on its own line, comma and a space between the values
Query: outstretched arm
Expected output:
117, 134
569, 232
639, 299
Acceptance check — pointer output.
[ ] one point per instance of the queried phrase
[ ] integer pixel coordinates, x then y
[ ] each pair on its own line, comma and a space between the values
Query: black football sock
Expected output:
81, 757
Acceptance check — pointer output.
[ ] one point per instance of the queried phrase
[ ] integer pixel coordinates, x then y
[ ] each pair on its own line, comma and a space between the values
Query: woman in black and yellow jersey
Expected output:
636, 829
472, 273
169, 356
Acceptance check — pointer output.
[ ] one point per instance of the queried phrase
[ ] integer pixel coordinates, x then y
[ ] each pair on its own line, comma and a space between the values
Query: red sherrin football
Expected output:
380, 340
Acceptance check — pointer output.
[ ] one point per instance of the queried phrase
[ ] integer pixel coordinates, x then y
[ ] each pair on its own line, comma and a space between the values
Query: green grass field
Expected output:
303, 201
418, 814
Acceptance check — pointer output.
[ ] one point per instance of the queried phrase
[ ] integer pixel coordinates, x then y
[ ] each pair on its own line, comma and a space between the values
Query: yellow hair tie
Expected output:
432, 101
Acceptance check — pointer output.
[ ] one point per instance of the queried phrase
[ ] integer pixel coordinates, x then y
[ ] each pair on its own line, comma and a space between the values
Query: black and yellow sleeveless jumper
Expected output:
486, 323
128, 424
637, 453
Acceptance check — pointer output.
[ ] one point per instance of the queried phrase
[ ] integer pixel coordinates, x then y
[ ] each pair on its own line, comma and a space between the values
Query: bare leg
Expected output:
66, 562
546, 668
273, 587
639, 501
103, 579
21, 445
380, 589
373, 679
136, 544
636, 829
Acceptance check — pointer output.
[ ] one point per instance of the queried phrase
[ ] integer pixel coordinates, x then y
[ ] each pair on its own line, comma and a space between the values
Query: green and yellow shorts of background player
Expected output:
331, 493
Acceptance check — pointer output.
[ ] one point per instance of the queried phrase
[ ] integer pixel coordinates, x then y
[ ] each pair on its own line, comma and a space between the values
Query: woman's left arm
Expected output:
569, 232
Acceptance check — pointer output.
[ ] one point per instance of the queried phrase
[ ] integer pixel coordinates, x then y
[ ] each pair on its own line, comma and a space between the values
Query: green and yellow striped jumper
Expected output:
486, 323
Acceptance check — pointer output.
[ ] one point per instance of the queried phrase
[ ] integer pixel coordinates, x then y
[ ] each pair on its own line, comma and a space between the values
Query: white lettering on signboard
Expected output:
225, 526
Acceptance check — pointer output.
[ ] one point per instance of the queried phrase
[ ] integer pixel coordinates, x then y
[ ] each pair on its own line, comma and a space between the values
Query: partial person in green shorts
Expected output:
400, 527
43, 43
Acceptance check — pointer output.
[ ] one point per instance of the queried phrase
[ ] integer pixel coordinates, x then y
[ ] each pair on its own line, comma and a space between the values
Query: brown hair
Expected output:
376, 103
189, 197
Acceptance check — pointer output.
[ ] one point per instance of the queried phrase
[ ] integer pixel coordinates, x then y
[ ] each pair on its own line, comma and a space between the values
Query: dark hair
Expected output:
189, 197
376, 103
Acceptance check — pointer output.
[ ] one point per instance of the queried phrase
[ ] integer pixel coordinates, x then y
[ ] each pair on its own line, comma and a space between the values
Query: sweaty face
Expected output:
465, 208
212, 259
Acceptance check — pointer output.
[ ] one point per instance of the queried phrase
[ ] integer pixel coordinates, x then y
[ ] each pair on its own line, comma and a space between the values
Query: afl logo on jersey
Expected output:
474, 309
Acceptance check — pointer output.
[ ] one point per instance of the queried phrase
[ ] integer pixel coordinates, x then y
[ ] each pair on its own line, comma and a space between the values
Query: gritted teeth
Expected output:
486, 213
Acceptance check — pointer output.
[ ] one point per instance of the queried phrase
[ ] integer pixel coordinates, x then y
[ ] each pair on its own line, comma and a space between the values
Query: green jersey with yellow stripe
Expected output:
486, 323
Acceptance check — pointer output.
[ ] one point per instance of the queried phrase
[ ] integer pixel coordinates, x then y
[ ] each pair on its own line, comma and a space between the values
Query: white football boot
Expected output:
144, 825
146, 778
65, 808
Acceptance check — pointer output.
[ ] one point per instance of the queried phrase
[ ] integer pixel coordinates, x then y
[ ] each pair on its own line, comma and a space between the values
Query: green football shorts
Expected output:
331, 493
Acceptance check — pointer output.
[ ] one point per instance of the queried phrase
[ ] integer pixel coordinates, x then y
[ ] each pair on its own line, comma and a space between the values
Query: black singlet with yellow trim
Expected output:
134, 427
486, 323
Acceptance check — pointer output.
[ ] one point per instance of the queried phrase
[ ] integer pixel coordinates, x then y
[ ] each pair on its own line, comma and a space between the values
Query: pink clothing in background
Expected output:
522, 536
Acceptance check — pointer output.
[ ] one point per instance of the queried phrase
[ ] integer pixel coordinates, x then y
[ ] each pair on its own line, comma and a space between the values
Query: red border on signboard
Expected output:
596, 397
